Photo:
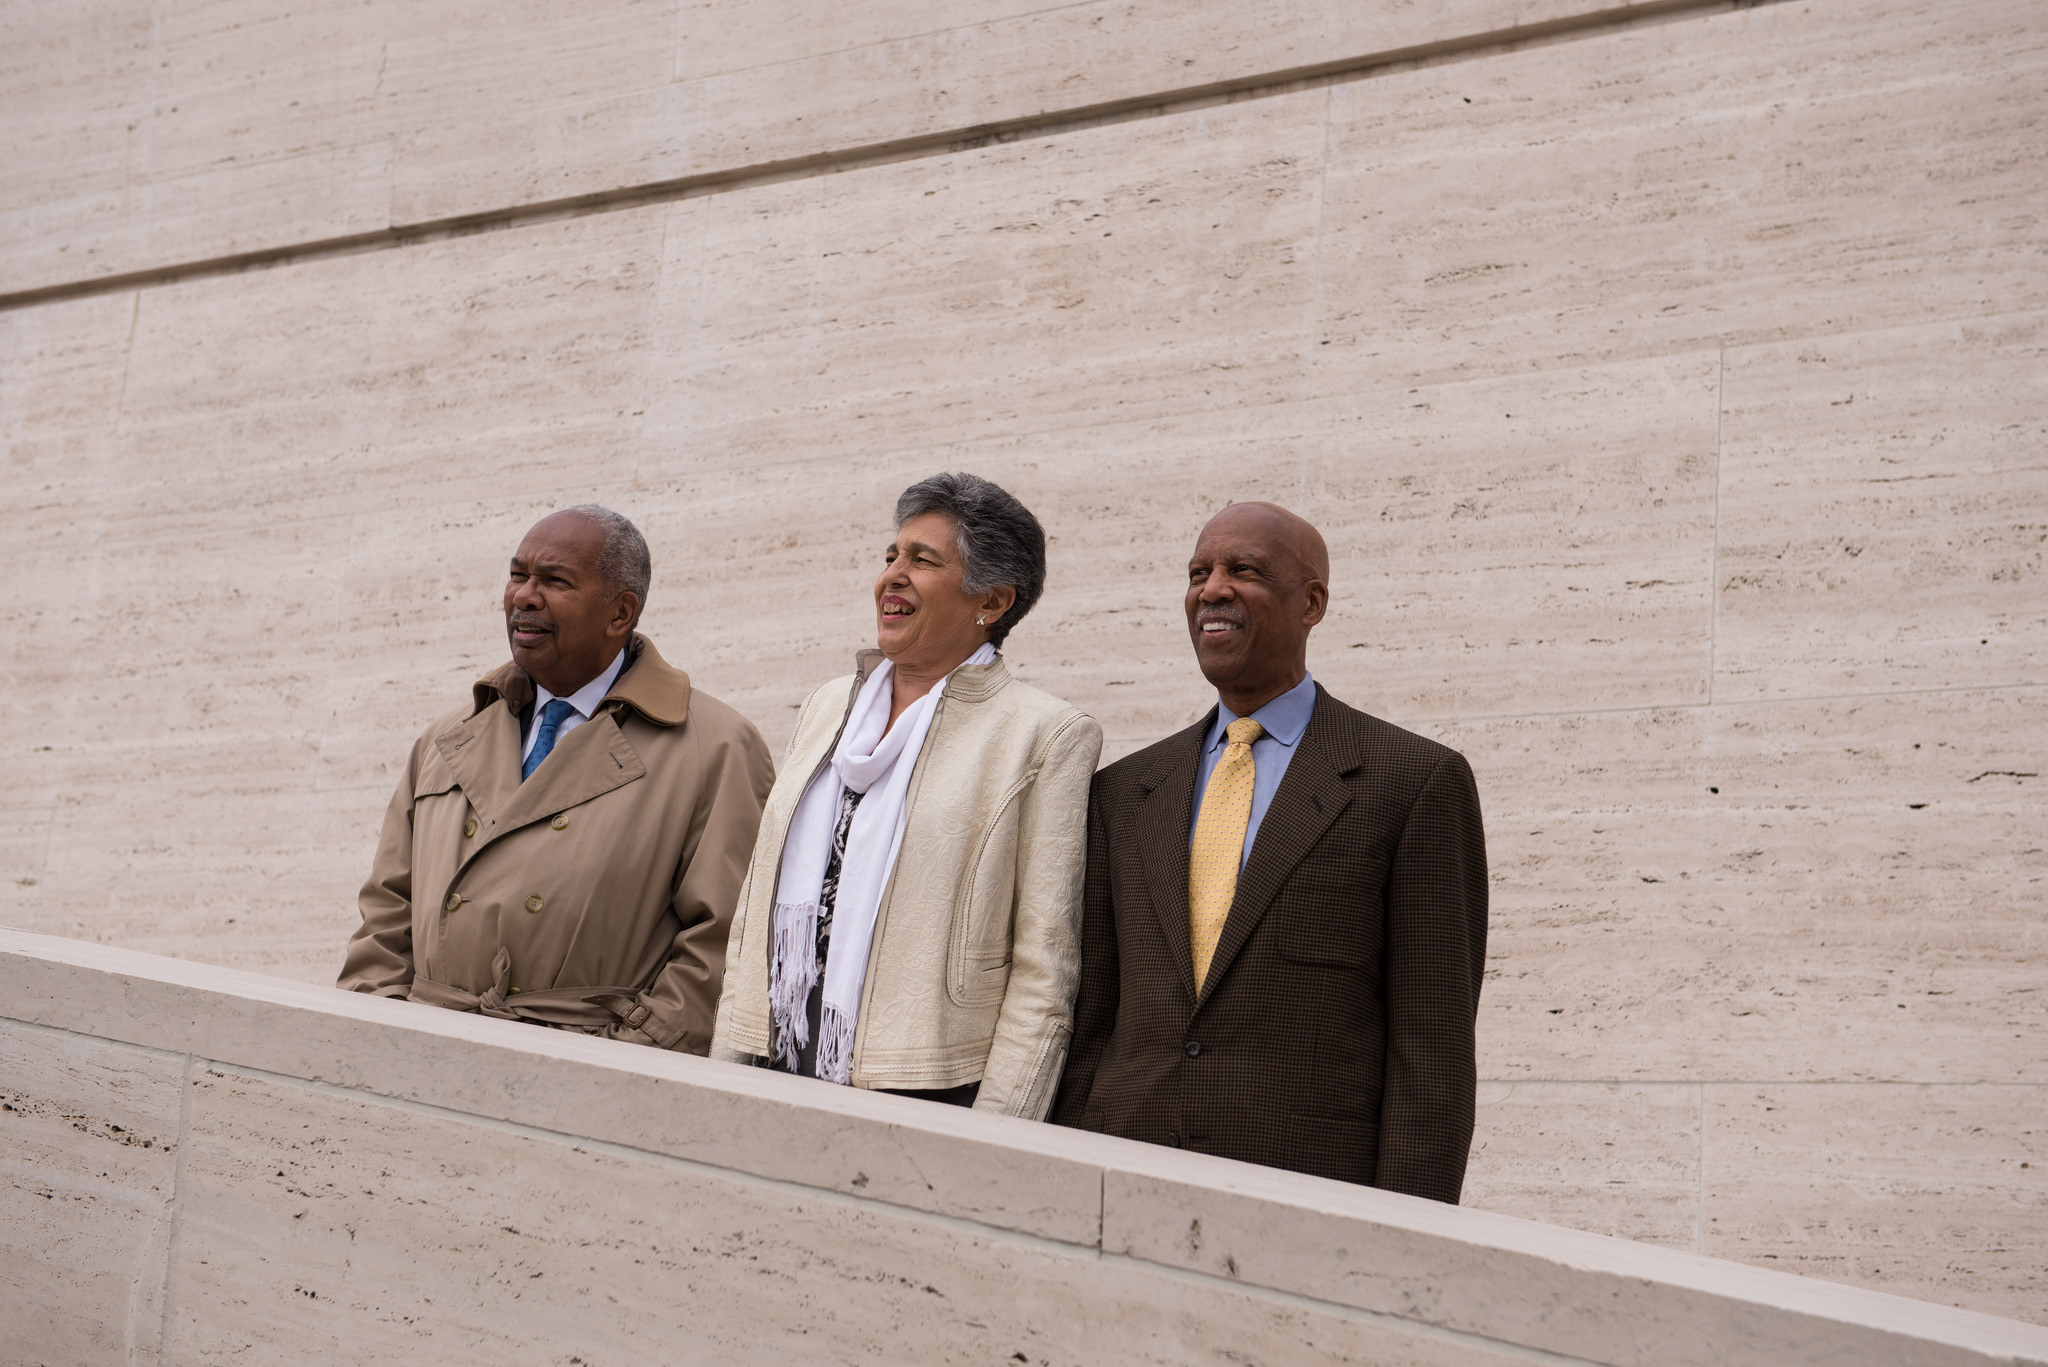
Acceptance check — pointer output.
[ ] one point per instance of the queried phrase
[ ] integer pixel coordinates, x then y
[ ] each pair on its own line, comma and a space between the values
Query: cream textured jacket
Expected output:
977, 946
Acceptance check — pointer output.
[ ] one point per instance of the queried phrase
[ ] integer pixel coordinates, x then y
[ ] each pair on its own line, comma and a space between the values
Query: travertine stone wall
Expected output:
207, 1165
1669, 381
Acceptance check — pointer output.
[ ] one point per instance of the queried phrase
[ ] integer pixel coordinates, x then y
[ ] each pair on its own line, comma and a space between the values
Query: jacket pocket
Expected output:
978, 947
1334, 932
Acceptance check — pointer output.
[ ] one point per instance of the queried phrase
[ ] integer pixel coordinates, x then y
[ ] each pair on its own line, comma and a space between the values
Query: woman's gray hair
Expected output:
624, 561
1001, 543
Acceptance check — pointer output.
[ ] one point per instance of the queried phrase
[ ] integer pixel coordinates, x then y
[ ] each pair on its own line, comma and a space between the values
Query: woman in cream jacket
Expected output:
911, 916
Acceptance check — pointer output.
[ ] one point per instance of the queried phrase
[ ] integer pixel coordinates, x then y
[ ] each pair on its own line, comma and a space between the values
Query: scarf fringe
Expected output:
792, 973
835, 1046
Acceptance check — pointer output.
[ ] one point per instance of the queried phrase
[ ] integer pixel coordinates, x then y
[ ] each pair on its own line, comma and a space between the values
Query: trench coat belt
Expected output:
584, 1008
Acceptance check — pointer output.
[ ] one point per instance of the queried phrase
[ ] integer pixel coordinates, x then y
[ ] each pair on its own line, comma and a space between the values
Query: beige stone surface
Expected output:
89, 1132
1849, 905
359, 1179
1883, 512
1672, 398
1613, 1158
439, 1238
157, 134
1868, 1200
1779, 172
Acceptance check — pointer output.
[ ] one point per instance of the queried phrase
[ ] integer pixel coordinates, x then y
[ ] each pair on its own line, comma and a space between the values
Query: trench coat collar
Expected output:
483, 751
649, 685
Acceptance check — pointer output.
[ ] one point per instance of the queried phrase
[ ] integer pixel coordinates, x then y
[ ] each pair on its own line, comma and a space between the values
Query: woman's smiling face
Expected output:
923, 620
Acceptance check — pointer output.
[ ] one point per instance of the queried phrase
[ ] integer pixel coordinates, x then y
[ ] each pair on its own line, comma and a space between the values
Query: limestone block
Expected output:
307, 1218
1884, 510
860, 1144
1939, 1193
1119, 273
1381, 1251
76, 91
89, 1131
158, 138
519, 1160
477, 362
1769, 173
61, 371
1849, 905
763, 85
1610, 1158
1528, 543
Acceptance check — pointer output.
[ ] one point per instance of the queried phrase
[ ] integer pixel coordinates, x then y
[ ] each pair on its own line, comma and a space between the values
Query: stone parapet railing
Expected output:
207, 1165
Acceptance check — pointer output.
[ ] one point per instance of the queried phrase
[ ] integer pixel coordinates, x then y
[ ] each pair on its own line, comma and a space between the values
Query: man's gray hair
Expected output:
1001, 543
624, 561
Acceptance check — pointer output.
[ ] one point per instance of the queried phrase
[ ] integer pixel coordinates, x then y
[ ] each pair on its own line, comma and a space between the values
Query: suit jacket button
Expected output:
1193, 1049
560, 823
454, 901
469, 829
533, 903
1174, 1139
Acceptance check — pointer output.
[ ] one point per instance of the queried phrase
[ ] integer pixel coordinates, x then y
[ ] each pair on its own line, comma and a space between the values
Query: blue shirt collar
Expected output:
1284, 718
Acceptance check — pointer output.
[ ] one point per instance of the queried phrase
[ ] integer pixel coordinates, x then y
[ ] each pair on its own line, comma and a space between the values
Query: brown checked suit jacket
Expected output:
1334, 1034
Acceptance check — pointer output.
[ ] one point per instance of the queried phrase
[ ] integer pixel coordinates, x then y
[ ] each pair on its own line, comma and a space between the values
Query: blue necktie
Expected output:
551, 718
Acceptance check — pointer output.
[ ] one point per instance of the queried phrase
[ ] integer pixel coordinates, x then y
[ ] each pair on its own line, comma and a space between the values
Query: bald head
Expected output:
1258, 582
1289, 534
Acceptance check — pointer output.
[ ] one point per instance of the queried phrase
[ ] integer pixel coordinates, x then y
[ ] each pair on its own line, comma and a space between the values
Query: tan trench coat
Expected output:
597, 894
977, 948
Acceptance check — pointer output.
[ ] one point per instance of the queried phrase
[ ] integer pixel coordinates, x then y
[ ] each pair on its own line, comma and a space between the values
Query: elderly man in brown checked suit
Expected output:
567, 848
1284, 915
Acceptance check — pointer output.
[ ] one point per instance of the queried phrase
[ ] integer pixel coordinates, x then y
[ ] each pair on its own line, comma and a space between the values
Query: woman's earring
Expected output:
981, 621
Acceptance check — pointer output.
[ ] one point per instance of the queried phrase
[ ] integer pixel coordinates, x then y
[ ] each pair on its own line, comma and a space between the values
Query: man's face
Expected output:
565, 622
1250, 603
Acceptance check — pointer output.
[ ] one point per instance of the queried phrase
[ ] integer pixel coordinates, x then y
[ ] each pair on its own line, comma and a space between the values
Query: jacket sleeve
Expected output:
379, 957
722, 1047
1030, 1045
721, 1026
1435, 959
1095, 1005
682, 1003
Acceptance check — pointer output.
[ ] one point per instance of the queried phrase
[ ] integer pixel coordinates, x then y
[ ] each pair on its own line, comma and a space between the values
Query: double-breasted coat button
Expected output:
454, 901
560, 823
533, 903
469, 828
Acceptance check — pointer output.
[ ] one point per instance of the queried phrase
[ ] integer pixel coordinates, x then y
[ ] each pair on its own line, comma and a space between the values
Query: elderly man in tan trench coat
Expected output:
567, 849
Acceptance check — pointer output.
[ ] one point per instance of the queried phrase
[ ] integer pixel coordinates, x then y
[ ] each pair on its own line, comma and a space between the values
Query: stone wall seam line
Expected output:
1714, 551
44, 1028
1420, 1328
1047, 123
632, 1152
169, 1292
1699, 1207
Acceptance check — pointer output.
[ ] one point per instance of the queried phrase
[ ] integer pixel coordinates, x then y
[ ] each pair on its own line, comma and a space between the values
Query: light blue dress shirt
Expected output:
1284, 718
584, 700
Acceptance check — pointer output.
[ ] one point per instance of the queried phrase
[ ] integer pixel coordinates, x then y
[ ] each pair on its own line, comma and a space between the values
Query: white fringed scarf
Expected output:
875, 760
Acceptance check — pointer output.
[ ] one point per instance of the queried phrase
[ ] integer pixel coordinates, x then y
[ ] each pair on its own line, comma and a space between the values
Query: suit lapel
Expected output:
1164, 817
1310, 797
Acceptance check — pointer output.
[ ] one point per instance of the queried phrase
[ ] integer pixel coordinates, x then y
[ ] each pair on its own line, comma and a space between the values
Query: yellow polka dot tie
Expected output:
1219, 843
